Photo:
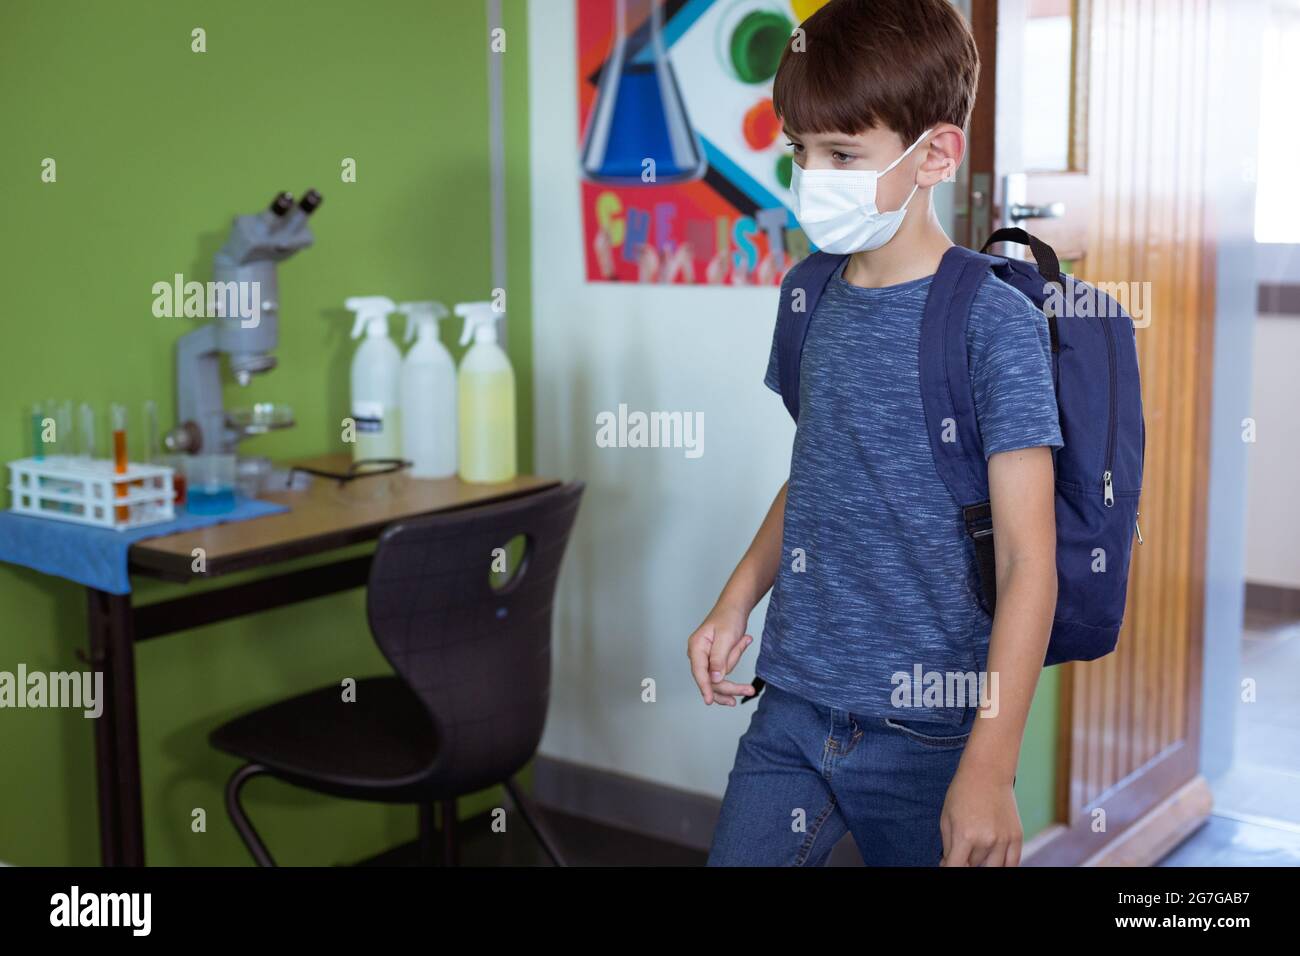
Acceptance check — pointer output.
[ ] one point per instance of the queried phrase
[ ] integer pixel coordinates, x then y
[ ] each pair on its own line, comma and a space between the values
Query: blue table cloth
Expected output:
97, 557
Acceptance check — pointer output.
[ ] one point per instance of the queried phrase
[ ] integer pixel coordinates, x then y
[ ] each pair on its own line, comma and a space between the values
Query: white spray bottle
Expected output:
487, 399
428, 394
376, 370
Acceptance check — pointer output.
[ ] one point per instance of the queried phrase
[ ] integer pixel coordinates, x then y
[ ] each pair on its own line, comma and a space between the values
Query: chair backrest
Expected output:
476, 651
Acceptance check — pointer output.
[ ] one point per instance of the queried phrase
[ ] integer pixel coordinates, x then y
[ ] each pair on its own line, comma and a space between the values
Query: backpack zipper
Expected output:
1108, 487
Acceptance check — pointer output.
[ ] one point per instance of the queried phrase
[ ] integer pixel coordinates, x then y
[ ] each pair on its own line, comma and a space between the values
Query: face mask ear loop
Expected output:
906, 152
903, 208
915, 185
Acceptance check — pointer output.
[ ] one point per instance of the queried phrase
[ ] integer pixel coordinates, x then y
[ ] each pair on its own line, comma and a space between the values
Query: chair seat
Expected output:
378, 747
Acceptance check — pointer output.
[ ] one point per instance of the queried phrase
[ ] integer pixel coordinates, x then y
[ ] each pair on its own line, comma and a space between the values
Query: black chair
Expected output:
472, 655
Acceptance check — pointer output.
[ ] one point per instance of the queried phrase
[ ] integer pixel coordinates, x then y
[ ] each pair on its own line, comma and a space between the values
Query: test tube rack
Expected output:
90, 492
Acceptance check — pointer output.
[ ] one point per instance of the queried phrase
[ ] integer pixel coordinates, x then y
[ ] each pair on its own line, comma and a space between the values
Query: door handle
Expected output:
1016, 209
1017, 212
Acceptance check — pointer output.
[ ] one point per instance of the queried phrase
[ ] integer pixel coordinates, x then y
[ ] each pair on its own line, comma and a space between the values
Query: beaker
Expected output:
638, 132
210, 484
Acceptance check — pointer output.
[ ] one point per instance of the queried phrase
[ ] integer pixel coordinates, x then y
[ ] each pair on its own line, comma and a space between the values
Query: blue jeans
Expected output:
805, 775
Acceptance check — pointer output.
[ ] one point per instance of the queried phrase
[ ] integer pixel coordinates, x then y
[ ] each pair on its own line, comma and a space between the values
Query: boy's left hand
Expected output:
980, 822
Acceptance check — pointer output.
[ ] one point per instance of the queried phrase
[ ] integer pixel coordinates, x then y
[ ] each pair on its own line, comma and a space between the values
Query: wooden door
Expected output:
1127, 781
1032, 170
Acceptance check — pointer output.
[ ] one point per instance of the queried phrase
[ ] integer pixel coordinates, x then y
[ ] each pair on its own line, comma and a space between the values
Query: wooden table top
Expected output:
320, 518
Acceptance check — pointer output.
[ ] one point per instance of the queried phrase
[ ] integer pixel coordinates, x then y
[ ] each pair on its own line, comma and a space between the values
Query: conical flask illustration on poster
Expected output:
639, 131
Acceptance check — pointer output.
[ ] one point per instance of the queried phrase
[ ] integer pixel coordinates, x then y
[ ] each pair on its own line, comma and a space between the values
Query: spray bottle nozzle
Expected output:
480, 321
372, 314
418, 314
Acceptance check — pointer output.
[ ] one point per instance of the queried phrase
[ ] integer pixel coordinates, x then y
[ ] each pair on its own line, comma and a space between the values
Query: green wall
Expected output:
157, 147
1036, 776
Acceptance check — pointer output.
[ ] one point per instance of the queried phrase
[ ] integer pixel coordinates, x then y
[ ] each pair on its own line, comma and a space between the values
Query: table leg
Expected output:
117, 742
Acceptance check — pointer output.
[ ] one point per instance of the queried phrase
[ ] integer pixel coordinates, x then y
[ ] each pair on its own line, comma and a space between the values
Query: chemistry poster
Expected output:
685, 173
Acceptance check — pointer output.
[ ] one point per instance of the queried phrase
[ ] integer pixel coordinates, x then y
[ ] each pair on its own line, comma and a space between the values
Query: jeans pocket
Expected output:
929, 733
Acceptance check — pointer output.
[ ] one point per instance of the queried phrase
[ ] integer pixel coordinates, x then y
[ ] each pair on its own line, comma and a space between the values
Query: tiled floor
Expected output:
582, 842
1256, 819
1224, 841
1221, 842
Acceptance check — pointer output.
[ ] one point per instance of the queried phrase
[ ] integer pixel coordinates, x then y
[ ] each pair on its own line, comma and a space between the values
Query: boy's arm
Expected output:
981, 825
716, 646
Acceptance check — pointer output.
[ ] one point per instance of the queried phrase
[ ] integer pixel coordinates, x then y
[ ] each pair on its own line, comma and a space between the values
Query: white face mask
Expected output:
837, 207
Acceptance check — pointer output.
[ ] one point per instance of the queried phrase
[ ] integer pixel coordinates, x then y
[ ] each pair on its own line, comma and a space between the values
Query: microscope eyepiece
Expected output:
310, 200
282, 203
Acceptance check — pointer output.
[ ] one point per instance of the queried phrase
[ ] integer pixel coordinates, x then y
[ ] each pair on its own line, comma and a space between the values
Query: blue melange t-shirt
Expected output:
877, 572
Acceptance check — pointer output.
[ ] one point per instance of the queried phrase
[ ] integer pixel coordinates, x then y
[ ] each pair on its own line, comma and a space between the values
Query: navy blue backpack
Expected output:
1098, 393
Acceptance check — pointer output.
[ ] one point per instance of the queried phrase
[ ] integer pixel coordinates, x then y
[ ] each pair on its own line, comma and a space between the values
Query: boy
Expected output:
873, 579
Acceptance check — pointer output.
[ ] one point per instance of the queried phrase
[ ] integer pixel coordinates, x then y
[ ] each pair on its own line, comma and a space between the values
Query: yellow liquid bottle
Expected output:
486, 401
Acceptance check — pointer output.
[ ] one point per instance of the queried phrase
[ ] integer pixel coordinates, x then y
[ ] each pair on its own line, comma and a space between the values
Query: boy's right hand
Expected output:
714, 650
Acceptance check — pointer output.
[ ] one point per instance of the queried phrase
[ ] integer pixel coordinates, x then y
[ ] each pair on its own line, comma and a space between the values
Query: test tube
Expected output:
117, 420
86, 433
63, 433
38, 446
60, 415
50, 428
151, 431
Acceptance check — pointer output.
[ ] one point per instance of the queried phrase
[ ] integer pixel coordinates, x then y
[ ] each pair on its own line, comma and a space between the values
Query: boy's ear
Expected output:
946, 149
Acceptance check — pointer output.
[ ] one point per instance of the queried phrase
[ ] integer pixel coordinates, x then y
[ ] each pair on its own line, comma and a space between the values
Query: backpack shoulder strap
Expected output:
949, 405
799, 294
946, 397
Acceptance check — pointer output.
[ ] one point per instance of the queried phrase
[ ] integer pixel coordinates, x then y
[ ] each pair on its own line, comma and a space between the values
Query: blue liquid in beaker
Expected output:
639, 129
639, 115
210, 501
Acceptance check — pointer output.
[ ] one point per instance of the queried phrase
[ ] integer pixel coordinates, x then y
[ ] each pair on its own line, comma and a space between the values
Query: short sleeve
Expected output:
772, 379
1011, 373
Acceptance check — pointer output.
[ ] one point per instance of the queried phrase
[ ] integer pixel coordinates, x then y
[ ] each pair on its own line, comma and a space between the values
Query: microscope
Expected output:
244, 305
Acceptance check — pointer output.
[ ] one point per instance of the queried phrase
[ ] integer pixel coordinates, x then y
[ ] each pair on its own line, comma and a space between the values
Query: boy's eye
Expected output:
842, 157
796, 147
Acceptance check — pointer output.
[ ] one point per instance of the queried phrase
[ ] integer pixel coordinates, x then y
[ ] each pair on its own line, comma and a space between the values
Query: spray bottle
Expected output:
376, 369
487, 399
428, 394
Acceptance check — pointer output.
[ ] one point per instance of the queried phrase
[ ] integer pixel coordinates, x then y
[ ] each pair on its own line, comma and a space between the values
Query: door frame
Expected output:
1160, 802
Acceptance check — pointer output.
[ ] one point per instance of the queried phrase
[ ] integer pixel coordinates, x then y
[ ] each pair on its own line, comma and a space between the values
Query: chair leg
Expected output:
450, 841
529, 813
239, 818
428, 857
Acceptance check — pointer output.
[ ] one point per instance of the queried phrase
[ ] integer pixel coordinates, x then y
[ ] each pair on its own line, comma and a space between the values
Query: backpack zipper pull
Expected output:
1137, 526
1108, 489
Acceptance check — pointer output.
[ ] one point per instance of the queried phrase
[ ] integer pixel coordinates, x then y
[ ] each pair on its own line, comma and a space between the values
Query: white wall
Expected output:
658, 533
1272, 518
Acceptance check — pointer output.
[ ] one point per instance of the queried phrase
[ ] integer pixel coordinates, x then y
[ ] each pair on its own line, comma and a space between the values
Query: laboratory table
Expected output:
322, 518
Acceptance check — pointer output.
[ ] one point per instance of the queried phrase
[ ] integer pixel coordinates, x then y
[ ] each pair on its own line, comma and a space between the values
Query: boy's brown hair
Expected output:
900, 64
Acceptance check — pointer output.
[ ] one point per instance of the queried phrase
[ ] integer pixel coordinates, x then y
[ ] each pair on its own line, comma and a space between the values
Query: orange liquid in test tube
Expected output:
117, 414
119, 466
